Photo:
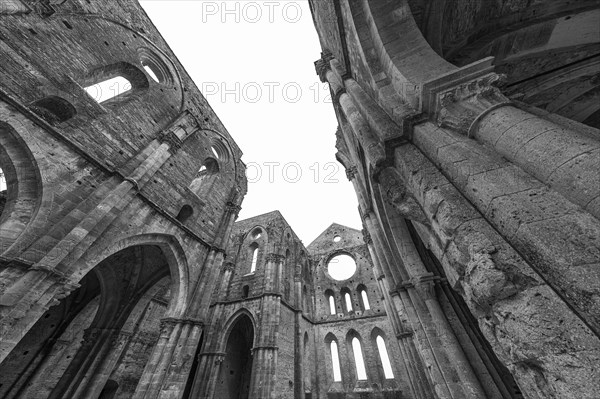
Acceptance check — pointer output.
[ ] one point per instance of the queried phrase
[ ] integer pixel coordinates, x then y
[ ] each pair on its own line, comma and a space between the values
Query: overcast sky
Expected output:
253, 61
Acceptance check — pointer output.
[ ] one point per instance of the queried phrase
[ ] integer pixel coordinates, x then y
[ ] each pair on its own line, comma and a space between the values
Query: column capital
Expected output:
275, 258
460, 99
171, 139
367, 237
425, 285
394, 189
232, 208
322, 65
229, 266
351, 172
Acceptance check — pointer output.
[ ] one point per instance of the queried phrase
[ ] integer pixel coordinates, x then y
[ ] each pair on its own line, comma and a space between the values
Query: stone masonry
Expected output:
469, 130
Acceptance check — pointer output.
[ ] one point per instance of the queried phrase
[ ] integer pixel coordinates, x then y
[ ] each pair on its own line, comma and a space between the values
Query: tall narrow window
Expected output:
365, 299
335, 360
348, 302
205, 178
385, 359
361, 372
331, 304
254, 258
107, 89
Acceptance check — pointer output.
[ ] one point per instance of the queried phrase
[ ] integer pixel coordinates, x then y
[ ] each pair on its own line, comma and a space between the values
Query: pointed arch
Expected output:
23, 183
173, 252
334, 365
354, 341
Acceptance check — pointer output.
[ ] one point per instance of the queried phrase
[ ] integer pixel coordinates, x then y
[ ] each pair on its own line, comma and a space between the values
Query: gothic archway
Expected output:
77, 345
236, 370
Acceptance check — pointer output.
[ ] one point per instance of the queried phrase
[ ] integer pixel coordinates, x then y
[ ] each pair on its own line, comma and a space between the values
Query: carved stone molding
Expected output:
232, 208
464, 106
275, 258
170, 138
395, 192
367, 237
351, 172
460, 99
229, 266
425, 285
323, 65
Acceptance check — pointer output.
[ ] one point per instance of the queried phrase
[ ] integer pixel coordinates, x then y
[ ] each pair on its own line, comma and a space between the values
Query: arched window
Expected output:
110, 84
361, 372
109, 88
365, 298
335, 361
53, 109
385, 359
331, 304
254, 248
348, 300
205, 178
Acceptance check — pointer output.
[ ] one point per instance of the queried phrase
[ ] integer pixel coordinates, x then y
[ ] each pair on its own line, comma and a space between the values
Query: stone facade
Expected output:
469, 132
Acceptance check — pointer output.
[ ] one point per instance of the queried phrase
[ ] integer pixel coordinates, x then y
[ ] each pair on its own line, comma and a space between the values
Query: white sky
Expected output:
260, 47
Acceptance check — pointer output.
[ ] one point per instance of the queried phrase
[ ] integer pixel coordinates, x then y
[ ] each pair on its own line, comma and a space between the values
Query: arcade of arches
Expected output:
468, 129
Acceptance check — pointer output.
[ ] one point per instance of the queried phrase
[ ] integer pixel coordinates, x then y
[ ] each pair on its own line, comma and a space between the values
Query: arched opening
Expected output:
53, 109
126, 293
347, 300
184, 213
334, 356
114, 83
254, 257
384, 357
330, 297
364, 298
155, 67
332, 309
205, 178
108, 89
359, 363
236, 369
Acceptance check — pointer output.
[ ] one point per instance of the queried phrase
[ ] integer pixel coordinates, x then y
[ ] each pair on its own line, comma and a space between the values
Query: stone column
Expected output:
99, 372
265, 351
96, 344
228, 269
209, 367
563, 158
272, 272
167, 370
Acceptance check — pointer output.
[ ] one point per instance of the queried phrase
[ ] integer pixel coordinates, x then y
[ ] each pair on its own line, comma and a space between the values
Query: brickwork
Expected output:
103, 201
468, 130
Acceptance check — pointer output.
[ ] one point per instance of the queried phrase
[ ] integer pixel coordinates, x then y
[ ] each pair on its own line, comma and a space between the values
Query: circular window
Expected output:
341, 267
155, 67
219, 151
256, 234
337, 239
